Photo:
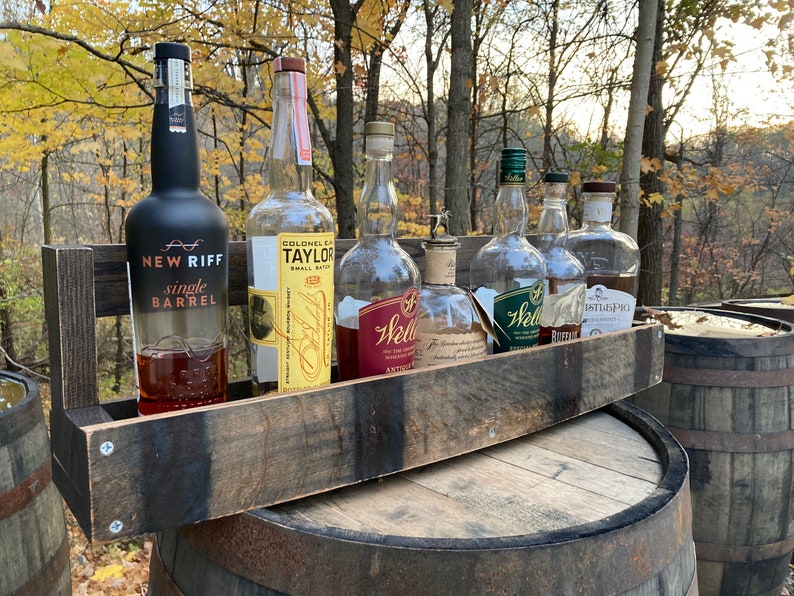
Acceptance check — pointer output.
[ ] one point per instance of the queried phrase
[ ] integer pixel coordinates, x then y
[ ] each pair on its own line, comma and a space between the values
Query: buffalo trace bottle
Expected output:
508, 274
448, 328
177, 258
611, 261
377, 282
290, 243
563, 304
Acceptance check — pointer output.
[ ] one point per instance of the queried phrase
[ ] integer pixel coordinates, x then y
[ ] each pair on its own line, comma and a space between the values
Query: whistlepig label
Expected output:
290, 306
517, 317
387, 334
607, 310
178, 275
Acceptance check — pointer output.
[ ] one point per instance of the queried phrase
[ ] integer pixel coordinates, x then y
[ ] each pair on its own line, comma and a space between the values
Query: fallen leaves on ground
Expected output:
120, 568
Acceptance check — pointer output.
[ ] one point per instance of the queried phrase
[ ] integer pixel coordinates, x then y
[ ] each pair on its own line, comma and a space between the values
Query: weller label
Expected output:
387, 334
178, 275
291, 308
517, 317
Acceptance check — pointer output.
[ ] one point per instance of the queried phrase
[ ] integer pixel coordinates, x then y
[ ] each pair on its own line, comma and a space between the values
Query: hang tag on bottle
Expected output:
485, 319
303, 141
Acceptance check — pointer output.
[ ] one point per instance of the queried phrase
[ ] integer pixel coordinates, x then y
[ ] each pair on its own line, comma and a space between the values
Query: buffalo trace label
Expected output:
291, 308
387, 334
517, 317
178, 275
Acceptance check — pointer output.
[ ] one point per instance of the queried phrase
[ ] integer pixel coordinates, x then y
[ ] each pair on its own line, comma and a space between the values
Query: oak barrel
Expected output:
34, 550
596, 505
727, 396
771, 307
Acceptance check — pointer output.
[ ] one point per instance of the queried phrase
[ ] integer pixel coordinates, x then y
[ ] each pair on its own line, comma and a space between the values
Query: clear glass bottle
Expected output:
290, 243
563, 304
508, 273
177, 258
377, 282
448, 328
611, 261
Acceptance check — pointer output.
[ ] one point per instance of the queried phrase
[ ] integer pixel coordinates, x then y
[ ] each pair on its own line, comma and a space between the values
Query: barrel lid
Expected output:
289, 64
555, 177
168, 49
380, 128
598, 186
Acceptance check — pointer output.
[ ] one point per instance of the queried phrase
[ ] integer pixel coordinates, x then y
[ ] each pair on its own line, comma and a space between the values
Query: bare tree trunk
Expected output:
431, 64
379, 47
629, 197
342, 147
649, 225
456, 185
46, 220
552, 82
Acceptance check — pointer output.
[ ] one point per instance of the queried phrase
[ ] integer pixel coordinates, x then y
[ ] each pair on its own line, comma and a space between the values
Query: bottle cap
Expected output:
555, 177
598, 186
286, 64
380, 128
512, 169
168, 49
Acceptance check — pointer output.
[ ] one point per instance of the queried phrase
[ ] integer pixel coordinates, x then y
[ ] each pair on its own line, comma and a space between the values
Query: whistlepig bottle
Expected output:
611, 261
177, 258
377, 282
563, 304
448, 328
290, 242
508, 274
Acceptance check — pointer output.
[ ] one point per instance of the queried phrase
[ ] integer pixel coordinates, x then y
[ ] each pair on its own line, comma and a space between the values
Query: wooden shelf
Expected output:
124, 475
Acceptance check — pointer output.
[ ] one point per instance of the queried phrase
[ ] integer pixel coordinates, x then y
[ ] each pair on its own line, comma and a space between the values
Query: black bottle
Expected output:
177, 258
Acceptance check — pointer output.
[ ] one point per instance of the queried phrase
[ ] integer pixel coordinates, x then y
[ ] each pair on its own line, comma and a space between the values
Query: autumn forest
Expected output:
707, 186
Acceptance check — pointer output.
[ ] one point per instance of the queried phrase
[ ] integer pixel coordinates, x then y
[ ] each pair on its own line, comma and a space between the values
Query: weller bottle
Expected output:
290, 243
377, 282
611, 261
563, 304
508, 274
177, 258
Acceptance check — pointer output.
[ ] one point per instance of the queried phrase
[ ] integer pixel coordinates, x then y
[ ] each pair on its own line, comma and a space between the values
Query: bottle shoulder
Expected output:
177, 210
290, 212
377, 258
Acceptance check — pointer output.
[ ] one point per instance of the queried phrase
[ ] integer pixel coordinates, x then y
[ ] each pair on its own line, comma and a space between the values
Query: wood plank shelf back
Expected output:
124, 475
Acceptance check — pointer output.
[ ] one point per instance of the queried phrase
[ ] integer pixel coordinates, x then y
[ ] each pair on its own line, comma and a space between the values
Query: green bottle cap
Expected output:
513, 167
556, 177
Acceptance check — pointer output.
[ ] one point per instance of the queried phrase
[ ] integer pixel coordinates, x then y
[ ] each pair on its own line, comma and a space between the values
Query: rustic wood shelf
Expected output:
124, 475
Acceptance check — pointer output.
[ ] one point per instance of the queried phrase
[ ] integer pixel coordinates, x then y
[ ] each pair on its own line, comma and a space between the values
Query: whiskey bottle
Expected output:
377, 282
177, 258
563, 304
290, 245
448, 328
508, 274
611, 261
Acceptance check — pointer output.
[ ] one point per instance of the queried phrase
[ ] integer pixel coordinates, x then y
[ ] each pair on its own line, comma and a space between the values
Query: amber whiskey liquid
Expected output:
347, 353
622, 283
175, 380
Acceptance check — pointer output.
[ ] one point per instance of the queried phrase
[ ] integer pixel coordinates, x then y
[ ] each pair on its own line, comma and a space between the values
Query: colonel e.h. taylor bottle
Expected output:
611, 261
377, 282
177, 258
290, 240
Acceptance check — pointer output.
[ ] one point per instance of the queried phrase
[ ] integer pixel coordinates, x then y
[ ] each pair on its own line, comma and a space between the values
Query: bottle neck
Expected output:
377, 209
553, 225
597, 210
174, 151
289, 158
510, 210
440, 262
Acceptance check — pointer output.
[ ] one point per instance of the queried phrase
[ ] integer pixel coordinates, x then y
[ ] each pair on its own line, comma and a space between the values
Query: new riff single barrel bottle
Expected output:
508, 274
611, 261
177, 258
290, 240
377, 282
